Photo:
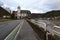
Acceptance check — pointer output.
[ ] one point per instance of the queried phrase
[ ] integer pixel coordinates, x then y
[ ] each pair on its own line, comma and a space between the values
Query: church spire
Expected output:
18, 7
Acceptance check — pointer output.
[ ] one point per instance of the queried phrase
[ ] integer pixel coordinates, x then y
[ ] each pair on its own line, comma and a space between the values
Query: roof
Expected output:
25, 11
3, 11
14, 11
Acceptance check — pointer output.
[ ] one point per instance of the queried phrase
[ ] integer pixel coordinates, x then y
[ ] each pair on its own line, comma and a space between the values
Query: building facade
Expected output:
24, 13
18, 12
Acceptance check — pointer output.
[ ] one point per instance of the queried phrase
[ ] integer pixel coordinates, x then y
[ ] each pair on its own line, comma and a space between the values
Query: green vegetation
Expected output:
3, 20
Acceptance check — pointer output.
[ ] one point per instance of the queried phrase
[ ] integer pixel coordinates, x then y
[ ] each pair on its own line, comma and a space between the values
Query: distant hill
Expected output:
53, 13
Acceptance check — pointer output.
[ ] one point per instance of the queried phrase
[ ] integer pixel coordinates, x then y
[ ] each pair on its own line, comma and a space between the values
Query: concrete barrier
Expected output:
44, 35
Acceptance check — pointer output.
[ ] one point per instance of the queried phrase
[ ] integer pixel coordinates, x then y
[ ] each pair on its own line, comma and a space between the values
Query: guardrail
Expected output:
13, 34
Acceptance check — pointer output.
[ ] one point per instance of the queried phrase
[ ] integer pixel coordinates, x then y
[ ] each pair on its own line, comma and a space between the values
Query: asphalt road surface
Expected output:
7, 27
27, 33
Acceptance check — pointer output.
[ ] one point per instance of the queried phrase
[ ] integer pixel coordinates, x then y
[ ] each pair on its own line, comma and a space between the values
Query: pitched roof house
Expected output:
3, 12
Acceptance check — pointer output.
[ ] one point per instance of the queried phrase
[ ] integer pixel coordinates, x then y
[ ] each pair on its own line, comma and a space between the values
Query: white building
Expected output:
24, 13
18, 12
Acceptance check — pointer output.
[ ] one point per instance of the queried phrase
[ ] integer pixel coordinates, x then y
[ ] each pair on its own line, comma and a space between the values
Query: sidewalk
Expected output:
27, 33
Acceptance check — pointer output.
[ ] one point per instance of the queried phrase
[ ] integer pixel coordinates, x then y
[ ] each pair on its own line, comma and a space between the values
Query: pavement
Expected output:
27, 33
7, 27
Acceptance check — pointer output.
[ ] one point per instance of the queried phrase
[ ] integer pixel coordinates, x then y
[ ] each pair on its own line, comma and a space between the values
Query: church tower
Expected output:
18, 12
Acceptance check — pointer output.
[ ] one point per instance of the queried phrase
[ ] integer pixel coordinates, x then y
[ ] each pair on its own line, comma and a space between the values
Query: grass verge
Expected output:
3, 20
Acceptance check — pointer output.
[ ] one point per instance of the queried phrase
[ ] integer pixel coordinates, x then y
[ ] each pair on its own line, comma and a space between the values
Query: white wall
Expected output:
23, 14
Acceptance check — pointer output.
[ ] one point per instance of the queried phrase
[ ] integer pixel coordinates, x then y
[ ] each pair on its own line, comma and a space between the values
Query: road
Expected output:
7, 27
27, 33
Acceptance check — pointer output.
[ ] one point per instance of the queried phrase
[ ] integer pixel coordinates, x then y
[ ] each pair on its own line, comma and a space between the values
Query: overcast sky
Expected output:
38, 6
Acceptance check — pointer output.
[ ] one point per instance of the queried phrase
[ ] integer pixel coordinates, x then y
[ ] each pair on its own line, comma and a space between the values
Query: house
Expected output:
4, 13
24, 13
14, 15
21, 13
